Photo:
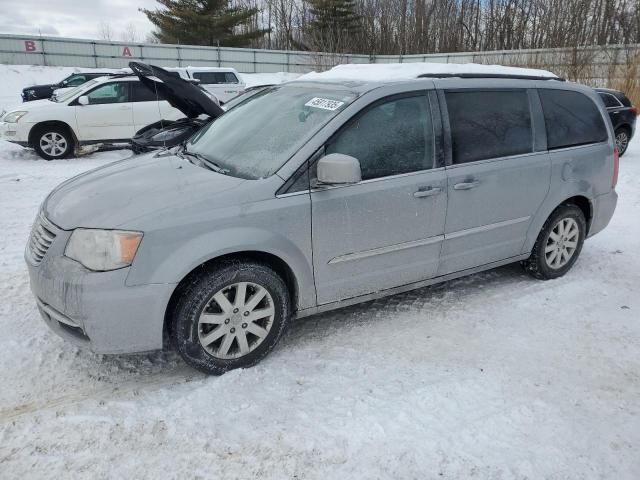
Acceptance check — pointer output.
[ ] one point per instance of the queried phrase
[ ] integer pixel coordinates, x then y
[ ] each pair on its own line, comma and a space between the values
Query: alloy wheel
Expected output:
236, 320
53, 144
622, 141
562, 243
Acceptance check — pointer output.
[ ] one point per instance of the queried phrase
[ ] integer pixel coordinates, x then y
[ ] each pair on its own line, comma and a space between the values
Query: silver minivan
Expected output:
315, 195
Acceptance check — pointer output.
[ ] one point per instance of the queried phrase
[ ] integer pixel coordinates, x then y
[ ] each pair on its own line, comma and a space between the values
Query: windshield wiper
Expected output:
210, 164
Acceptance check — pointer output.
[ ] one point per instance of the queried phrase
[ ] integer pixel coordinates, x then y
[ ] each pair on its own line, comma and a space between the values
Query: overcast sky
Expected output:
74, 18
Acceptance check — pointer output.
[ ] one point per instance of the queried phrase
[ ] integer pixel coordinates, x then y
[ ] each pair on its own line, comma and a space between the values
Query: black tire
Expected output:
623, 135
53, 132
538, 265
199, 292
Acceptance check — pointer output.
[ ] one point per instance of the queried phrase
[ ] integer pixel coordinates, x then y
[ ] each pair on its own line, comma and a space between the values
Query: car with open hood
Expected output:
197, 104
105, 110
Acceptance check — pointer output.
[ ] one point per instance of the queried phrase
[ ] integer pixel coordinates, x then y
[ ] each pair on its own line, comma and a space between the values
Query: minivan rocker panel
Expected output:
316, 245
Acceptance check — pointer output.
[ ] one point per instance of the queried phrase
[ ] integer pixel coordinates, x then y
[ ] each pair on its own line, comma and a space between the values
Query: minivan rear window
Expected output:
215, 77
489, 124
571, 119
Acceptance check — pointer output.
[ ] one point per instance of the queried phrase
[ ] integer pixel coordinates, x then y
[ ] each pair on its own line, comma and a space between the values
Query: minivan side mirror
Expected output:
338, 169
83, 100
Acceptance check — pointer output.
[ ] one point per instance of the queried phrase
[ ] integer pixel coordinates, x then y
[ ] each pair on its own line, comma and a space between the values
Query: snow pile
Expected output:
386, 72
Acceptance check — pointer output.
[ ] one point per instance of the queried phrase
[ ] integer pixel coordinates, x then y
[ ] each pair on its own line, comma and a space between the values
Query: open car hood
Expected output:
180, 93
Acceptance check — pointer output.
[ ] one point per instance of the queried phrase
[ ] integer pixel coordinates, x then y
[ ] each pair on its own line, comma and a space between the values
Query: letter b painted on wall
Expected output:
30, 46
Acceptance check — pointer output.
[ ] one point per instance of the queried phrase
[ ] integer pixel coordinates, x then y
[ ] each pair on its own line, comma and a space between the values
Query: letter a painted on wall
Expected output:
126, 52
30, 46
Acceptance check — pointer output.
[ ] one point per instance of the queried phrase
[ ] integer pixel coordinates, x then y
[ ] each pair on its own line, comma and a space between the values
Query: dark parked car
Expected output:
39, 92
622, 115
188, 97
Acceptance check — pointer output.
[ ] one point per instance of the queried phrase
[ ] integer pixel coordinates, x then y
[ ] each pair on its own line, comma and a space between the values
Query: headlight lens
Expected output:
13, 117
103, 250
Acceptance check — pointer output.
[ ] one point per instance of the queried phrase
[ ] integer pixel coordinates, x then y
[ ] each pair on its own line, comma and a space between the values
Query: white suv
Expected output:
223, 82
105, 110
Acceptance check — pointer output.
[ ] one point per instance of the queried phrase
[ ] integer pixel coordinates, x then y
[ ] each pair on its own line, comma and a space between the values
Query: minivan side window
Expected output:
489, 124
571, 119
389, 138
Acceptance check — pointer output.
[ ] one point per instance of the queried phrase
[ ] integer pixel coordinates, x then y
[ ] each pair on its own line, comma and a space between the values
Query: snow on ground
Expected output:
403, 71
493, 376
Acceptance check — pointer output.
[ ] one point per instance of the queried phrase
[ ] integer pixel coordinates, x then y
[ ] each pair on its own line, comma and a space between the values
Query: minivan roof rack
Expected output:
488, 75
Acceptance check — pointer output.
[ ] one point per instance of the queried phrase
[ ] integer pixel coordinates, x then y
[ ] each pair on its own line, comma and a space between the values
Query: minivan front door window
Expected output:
389, 138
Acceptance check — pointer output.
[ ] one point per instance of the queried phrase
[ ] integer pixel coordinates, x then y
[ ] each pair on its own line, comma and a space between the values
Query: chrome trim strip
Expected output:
380, 179
293, 194
326, 307
382, 250
485, 228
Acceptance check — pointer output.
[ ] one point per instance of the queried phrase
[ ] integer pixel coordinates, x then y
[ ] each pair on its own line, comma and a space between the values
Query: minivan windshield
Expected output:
254, 139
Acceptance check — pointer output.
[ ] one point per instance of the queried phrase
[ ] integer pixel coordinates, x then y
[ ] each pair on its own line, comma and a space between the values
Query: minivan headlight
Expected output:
13, 117
103, 250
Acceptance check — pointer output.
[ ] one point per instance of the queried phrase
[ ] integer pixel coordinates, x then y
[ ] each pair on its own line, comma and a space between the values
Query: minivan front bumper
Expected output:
97, 310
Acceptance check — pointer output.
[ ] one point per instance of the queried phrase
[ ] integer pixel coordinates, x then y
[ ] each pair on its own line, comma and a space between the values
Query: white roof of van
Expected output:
211, 69
384, 72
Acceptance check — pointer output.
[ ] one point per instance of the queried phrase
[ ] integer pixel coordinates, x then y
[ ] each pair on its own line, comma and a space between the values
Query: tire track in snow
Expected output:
181, 375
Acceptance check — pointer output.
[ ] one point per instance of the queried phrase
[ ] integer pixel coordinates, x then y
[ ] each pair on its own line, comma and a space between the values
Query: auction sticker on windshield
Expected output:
324, 103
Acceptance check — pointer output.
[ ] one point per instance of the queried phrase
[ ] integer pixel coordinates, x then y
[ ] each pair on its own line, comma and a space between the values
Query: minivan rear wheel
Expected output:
559, 243
230, 316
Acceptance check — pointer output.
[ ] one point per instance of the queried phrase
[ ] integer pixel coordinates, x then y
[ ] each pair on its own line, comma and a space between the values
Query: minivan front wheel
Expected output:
559, 243
230, 316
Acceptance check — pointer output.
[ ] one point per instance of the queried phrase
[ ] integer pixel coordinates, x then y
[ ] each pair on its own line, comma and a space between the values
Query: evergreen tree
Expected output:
204, 22
334, 23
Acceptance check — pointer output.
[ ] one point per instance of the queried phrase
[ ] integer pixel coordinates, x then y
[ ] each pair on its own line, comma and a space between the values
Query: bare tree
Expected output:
130, 33
105, 31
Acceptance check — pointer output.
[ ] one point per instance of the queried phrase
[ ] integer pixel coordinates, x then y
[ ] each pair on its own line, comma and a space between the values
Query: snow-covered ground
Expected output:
493, 376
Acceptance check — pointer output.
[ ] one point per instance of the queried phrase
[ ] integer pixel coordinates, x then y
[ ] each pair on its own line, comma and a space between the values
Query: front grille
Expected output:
42, 236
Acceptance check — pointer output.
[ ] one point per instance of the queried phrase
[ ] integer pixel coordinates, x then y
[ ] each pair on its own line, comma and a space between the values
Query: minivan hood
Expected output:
180, 93
121, 192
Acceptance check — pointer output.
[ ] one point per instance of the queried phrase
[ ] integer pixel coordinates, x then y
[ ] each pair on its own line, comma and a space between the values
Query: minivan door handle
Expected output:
468, 185
427, 192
